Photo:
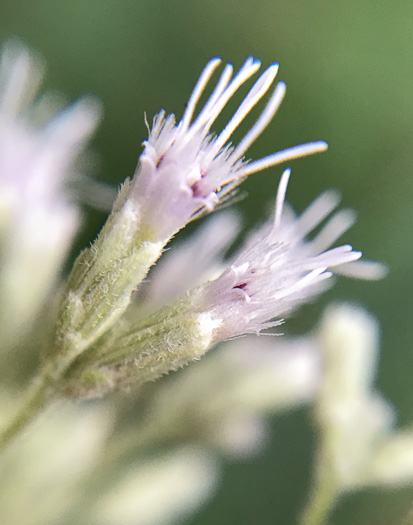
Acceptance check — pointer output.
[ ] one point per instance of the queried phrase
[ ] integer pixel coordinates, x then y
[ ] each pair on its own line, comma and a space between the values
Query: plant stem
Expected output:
323, 497
37, 399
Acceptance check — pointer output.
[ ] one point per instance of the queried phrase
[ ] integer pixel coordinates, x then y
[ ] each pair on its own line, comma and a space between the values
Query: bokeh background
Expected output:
349, 72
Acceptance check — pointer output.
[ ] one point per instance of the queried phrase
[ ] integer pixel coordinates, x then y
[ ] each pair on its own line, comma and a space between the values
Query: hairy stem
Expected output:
38, 397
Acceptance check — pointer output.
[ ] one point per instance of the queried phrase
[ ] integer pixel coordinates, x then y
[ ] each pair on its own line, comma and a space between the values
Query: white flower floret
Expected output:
186, 170
278, 269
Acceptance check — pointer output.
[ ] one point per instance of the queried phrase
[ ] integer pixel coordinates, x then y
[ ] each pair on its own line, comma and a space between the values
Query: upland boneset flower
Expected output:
185, 170
277, 271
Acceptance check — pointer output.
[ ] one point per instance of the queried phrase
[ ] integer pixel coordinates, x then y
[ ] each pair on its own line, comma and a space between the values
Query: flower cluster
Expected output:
185, 171
120, 321
103, 339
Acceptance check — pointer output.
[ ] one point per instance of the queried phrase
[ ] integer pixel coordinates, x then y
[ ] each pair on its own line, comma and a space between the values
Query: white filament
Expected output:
265, 118
198, 90
255, 94
279, 203
282, 156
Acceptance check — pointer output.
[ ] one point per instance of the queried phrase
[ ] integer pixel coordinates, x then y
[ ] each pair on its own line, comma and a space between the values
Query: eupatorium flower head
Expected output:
186, 170
279, 269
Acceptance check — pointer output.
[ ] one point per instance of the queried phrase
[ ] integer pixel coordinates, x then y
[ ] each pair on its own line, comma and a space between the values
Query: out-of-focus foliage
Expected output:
350, 81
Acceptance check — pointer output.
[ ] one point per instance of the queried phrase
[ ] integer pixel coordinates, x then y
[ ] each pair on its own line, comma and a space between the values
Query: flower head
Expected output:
185, 170
278, 269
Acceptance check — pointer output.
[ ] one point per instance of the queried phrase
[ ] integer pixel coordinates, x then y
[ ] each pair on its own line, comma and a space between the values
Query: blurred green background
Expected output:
348, 67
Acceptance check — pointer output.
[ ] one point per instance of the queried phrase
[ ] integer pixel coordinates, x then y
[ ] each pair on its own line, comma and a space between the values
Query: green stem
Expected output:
37, 399
323, 497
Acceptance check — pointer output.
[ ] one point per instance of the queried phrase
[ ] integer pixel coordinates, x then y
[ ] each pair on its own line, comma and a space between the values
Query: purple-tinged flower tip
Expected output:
279, 269
186, 170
